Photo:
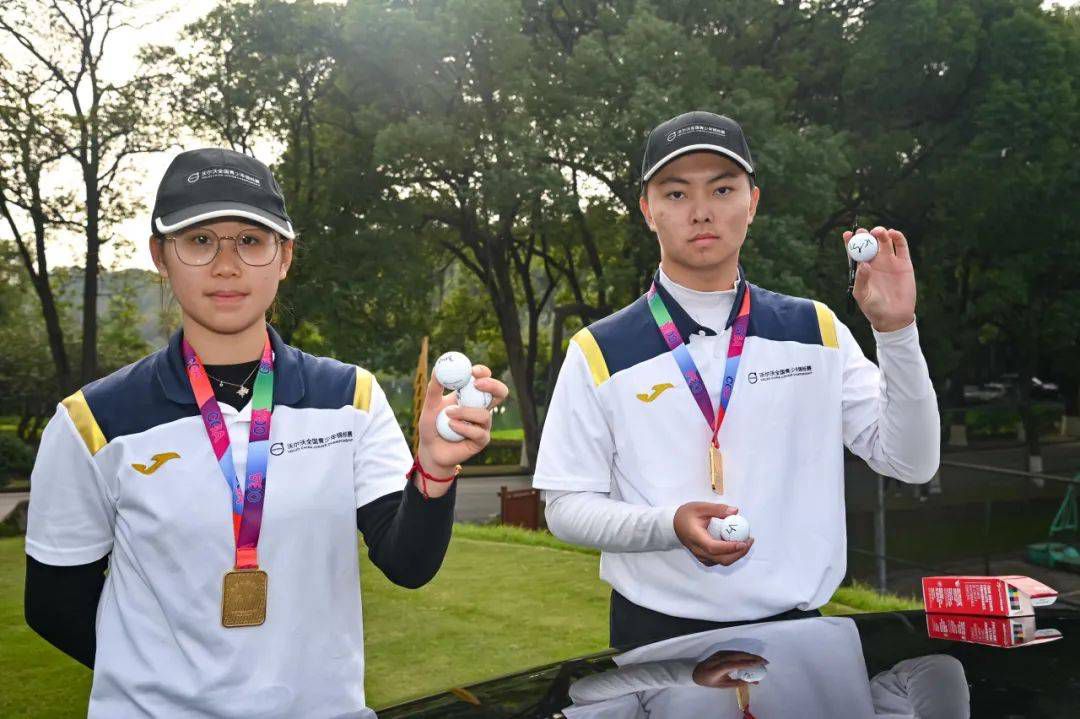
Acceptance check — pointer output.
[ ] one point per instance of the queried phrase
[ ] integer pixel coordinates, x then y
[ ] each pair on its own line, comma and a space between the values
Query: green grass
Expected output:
516, 434
505, 599
507, 534
35, 679
859, 597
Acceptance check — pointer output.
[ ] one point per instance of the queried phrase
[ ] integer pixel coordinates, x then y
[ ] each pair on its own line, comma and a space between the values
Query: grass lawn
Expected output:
505, 599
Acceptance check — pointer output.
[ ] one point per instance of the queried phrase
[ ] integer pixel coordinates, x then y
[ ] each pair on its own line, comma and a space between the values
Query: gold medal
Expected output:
716, 468
243, 598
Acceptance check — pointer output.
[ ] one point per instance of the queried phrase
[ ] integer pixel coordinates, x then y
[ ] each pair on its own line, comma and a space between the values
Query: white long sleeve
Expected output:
890, 414
593, 519
634, 678
931, 687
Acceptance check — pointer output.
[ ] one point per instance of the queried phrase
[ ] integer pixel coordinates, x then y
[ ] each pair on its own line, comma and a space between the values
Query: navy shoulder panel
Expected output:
628, 337
132, 400
774, 316
328, 383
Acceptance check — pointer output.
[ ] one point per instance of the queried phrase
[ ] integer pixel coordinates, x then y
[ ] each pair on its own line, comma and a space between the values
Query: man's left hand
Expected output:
885, 286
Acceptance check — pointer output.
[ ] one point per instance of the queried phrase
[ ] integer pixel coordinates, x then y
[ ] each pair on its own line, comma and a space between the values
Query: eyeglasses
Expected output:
199, 246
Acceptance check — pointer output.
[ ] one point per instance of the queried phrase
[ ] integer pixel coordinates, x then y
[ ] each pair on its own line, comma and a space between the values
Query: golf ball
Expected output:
749, 674
469, 396
453, 370
733, 528
862, 247
442, 425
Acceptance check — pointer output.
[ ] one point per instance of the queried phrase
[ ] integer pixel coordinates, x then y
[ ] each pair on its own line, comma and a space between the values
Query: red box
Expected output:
1008, 596
1006, 632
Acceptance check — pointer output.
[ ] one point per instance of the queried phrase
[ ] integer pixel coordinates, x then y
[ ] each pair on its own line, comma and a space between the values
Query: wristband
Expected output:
424, 476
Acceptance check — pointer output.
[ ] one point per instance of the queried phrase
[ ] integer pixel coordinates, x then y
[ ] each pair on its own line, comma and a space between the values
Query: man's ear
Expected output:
755, 195
643, 203
157, 253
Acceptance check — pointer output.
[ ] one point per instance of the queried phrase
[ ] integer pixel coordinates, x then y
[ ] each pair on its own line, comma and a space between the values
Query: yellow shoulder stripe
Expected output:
362, 393
827, 325
593, 355
84, 421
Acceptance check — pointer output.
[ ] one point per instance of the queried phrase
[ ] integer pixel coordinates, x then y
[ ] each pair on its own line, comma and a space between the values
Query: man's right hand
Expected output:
715, 671
692, 529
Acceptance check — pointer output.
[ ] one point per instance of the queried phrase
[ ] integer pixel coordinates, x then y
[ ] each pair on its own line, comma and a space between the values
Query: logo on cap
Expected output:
708, 129
223, 173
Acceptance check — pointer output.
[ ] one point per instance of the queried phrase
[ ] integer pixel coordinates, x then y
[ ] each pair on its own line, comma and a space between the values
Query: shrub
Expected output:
16, 458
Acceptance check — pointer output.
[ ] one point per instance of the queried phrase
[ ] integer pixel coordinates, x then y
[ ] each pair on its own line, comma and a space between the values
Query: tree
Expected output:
28, 155
28, 385
95, 124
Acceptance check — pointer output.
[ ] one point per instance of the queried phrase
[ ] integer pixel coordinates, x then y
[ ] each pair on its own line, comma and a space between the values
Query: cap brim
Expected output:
697, 148
212, 210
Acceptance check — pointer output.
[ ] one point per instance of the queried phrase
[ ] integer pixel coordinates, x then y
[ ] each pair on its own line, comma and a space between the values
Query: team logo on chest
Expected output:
156, 462
657, 390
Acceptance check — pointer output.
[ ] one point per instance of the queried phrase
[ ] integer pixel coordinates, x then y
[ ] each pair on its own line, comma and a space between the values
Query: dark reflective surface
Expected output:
867, 665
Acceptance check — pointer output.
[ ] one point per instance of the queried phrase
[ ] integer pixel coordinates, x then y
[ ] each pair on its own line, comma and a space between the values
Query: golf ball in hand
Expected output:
442, 425
453, 370
749, 674
733, 528
469, 396
862, 247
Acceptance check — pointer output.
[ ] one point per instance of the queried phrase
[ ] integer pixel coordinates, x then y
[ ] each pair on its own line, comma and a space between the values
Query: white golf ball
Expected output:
453, 370
749, 674
442, 425
469, 396
862, 247
733, 528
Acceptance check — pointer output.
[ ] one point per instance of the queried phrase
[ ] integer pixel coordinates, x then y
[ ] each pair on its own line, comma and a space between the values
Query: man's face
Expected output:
699, 206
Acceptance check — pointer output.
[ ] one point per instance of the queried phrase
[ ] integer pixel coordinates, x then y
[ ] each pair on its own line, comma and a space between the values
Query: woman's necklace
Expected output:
241, 390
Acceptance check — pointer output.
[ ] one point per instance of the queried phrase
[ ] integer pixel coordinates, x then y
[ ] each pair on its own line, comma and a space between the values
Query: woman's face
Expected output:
227, 295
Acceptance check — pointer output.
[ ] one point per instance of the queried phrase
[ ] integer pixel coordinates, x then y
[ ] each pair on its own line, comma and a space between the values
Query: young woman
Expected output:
220, 482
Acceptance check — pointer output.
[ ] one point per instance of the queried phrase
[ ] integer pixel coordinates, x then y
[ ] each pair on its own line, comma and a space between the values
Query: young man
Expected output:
640, 450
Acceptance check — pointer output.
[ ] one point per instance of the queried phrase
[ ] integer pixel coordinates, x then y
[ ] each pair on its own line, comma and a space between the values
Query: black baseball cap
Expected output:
214, 182
697, 131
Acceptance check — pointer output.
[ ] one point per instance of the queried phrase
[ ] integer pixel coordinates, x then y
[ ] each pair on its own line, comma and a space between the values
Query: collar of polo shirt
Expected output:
684, 322
288, 379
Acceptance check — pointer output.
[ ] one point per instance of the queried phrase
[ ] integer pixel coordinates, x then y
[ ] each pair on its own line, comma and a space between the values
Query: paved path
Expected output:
478, 497
9, 500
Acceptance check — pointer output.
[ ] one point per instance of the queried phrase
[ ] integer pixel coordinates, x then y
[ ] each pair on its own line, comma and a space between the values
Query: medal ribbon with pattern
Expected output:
247, 501
694, 381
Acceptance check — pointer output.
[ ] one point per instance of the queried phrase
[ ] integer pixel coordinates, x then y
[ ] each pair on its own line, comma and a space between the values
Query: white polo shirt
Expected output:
623, 423
656, 680
161, 648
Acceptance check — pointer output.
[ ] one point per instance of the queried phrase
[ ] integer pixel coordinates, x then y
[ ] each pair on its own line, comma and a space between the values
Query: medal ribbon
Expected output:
247, 501
689, 369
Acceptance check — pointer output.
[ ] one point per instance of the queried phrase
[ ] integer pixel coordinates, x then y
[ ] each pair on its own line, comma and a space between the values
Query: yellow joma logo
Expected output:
657, 390
159, 459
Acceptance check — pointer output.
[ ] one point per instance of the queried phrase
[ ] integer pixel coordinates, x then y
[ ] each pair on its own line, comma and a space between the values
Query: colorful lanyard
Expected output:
686, 363
247, 501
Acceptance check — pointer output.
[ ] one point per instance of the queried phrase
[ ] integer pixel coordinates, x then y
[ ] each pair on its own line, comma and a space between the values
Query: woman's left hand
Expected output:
438, 456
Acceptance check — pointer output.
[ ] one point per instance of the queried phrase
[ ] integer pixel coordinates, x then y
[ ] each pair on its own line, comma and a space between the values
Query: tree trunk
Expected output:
90, 280
1029, 360
55, 334
506, 310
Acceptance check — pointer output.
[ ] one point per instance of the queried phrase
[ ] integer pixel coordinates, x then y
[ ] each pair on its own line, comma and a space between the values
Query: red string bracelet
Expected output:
424, 476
